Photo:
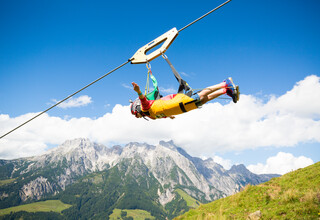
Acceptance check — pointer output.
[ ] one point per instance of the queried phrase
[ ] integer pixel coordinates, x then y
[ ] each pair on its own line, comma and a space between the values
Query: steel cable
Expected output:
66, 98
204, 16
105, 75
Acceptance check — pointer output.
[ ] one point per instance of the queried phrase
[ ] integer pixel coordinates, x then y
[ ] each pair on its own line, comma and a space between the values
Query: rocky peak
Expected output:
79, 146
239, 169
168, 144
79, 142
117, 149
168, 164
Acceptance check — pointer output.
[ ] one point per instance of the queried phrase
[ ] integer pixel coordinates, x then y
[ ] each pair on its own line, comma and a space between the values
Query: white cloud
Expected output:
166, 91
224, 162
163, 91
75, 102
127, 86
302, 100
184, 74
283, 121
280, 164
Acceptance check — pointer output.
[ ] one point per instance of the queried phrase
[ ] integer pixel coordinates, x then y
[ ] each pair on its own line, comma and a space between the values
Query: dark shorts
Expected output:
196, 97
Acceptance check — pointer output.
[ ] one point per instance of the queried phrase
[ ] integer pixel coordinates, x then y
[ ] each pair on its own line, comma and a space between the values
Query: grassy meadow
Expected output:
295, 195
45, 206
136, 214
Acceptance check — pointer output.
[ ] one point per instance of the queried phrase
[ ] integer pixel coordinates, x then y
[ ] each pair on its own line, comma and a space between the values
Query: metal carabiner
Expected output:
148, 65
164, 56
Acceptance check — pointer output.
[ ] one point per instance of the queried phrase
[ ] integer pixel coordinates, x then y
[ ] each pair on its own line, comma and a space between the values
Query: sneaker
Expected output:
237, 95
231, 89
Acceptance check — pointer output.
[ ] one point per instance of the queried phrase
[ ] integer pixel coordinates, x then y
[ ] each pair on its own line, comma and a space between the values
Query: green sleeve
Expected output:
155, 93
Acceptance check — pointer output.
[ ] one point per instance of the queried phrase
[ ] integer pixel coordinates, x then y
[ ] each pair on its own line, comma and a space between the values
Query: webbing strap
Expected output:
155, 94
183, 85
182, 107
146, 90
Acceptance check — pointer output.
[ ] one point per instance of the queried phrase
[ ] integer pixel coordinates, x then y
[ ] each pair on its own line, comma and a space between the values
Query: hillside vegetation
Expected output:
136, 214
95, 180
45, 206
295, 195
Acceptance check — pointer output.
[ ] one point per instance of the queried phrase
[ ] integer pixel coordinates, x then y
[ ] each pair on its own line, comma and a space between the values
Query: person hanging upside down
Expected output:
176, 104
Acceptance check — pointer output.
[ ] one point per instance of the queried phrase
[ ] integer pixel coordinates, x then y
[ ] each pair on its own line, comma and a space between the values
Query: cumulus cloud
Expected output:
75, 102
164, 91
224, 162
184, 74
280, 164
282, 121
168, 90
127, 86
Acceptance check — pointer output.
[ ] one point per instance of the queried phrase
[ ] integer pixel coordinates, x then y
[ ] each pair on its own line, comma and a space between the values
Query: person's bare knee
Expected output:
204, 99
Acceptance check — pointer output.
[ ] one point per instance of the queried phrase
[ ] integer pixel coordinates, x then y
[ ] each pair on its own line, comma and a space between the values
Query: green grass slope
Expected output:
295, 195
7, 181
135, 214
191, 202
45, 206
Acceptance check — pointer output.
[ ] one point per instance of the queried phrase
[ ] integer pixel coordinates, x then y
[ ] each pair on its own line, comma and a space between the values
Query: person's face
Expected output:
138, 115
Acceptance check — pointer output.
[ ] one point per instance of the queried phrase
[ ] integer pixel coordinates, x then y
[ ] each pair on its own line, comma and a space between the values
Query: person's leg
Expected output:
212, 92
217, 90
212, 95
211, 89
217, 93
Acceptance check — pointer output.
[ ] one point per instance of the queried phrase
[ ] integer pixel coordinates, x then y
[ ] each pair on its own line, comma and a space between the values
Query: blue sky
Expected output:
48, 50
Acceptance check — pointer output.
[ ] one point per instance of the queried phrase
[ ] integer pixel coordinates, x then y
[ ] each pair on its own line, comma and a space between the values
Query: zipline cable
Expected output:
105, 74
204, 16
66, 98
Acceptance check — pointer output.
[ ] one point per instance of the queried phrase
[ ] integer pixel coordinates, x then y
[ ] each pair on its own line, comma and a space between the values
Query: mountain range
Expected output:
96, 179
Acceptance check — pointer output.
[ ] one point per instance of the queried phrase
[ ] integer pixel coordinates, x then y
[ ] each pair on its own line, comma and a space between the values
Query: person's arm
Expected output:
145, 104
137, 89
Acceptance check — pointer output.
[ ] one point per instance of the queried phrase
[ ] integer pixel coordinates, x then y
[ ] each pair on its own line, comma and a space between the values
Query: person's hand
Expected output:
136, 87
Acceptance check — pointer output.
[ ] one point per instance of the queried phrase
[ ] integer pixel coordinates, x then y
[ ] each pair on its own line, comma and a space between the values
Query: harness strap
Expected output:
183, 85
187, 103
196, 102
146, 113
148, 77
182, 107
155, 94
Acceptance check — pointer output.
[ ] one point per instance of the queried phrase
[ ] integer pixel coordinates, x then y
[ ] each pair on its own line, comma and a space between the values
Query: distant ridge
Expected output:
95, 180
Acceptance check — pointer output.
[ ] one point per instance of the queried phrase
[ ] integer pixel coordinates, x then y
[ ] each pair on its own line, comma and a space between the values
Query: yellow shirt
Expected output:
175, 106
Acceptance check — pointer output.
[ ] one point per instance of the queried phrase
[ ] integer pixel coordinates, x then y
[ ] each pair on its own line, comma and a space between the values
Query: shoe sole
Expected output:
237, 93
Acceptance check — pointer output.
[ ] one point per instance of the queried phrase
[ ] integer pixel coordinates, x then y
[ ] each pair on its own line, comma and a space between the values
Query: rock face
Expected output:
35, 189
170, 165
